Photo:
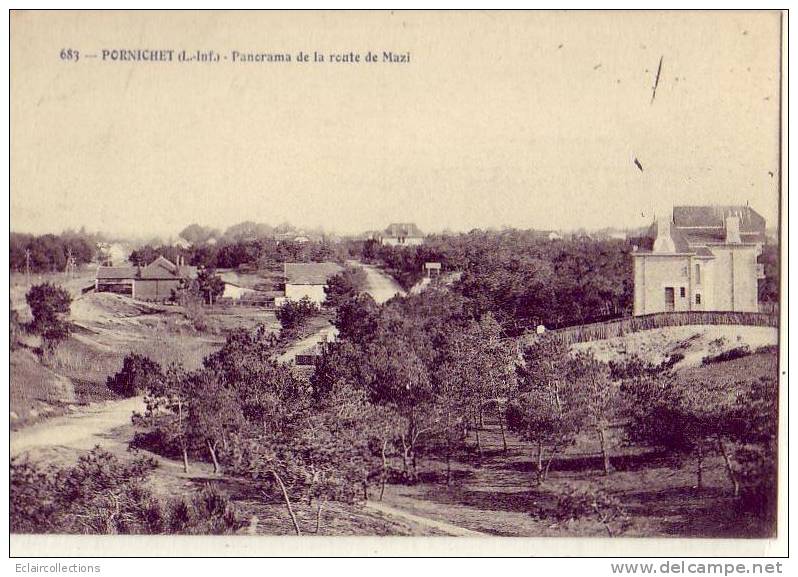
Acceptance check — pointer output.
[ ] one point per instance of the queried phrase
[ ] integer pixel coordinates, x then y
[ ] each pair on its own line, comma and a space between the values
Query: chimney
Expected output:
664, 241
733, 229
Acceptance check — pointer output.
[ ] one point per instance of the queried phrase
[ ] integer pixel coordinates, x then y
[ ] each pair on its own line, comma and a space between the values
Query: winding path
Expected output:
82, 429
380, 286
447, 528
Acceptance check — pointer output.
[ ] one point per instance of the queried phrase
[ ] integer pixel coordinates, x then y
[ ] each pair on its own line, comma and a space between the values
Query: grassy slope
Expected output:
35, 390
693, 342
107, 328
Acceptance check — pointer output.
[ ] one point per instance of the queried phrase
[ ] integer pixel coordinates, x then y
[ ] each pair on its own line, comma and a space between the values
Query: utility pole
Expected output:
27, 266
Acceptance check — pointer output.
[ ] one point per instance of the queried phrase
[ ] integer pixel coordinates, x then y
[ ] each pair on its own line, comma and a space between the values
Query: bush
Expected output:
157, 440
588, 503
101, 495
735, 353
210, 285
768, 349
137, 375
293, 315
207, 513
346, 284
14, 328
189, 297
756, 453
53, 336
48, 303
633, 366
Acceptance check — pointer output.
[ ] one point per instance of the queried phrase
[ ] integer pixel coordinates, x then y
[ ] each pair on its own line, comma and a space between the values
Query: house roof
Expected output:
695, 227
315, 273
715, 217
405, 229
159, 269
680, 240
116, 272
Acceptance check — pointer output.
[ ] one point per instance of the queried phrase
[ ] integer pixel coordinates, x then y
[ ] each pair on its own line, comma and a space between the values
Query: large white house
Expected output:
701, 258
402, 234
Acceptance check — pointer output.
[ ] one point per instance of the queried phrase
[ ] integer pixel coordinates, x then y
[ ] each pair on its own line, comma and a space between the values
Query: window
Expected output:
697, 274
682, 292
698, 298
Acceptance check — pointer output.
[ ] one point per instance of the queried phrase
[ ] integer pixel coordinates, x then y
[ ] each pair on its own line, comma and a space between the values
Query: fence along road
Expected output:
620, 327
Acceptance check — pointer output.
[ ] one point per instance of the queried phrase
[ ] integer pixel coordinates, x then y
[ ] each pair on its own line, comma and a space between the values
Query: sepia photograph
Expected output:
402, 274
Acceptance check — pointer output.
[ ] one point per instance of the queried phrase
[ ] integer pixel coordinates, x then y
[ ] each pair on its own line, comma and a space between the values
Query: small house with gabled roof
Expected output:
308, 279
154, 282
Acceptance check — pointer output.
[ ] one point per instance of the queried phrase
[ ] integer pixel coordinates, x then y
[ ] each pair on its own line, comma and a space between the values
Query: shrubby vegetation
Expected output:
103, 495
294, 316
348, 283
769, 286
137, 375
14, 328
712, 411
50, 305
523, 279
591, 504
728, 355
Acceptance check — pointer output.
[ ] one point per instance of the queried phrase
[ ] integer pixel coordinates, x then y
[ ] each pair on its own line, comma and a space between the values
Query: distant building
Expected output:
402, 234
308, 279
375, 235
154, 282
236, 292
546, 235
701, 258
111, 253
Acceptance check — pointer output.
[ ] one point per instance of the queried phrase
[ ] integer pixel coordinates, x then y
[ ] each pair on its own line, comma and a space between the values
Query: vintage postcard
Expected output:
473, 282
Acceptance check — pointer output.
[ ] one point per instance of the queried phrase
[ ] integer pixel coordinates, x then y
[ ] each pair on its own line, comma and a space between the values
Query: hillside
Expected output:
106, 327
692, 342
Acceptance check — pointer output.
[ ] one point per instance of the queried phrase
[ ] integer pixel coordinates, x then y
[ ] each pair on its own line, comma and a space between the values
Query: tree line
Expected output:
264, 253
50, 252
525, 280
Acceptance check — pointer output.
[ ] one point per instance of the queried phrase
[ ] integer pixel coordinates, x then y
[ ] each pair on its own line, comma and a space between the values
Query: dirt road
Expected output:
327, 334
82, 429
425, 522
380, 286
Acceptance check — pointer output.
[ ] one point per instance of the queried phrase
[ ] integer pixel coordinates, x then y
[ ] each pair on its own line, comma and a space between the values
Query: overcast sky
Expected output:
500, 119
